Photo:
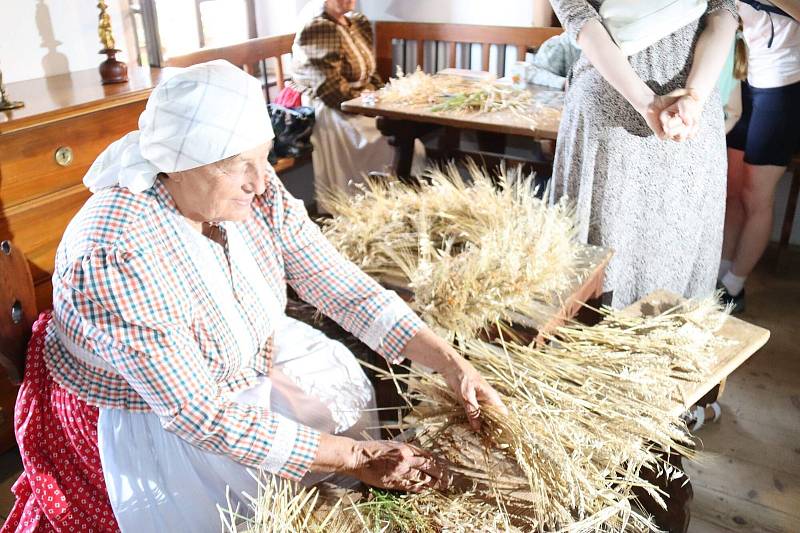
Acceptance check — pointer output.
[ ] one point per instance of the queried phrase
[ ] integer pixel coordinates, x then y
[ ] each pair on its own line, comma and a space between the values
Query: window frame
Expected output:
146, 9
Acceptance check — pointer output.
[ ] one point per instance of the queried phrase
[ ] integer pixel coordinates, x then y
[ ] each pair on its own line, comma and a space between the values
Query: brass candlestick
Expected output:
5, 103
111, 70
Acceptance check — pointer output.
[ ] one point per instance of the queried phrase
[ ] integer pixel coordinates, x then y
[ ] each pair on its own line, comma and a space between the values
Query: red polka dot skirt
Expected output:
62, 488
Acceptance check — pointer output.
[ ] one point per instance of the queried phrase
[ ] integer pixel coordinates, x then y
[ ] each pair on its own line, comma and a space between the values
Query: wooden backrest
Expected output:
520, 38
247, 55
17, 309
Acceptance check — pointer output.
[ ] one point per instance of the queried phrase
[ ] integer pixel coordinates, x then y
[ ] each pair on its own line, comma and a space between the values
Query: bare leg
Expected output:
734, 210
758, 199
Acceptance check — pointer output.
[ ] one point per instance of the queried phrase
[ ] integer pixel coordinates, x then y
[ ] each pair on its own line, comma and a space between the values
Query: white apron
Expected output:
348, 146
156, 481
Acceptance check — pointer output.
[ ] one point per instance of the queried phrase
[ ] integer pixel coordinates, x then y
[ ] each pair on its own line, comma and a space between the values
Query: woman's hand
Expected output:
397, 466
681, 119
675, 116
651, 110
650, 113
470, 388
381, 463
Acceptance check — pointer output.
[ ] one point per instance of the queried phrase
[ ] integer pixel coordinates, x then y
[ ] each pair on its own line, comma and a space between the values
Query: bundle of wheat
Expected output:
282, 506
472, 253
456, 95
432, 512
486, 97
419, 88
587, 413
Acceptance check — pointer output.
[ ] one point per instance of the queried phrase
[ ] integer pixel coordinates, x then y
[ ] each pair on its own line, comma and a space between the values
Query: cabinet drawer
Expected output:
28, 165
36, 227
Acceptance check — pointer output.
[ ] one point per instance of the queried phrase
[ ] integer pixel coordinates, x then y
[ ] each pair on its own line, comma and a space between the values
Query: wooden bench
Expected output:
254, 56
420, 33
254, 52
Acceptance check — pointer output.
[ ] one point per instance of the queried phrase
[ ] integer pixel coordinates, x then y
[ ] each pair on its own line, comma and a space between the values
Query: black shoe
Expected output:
736, 303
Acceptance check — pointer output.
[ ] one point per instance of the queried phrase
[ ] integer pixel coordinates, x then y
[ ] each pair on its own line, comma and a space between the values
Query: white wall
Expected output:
492, 13
48, 37
278, 17
781, 196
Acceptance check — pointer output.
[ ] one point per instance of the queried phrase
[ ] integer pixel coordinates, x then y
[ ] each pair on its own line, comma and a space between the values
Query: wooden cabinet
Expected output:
41, 160
36, 227
47, 147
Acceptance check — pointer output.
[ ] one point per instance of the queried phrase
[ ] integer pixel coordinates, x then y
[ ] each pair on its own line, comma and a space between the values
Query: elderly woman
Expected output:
168, 372
334, 62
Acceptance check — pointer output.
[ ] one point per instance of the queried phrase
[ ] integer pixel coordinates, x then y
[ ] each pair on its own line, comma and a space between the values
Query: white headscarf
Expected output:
194, 116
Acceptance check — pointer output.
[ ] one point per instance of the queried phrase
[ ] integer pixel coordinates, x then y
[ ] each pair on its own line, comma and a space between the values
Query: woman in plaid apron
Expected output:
168, 371
334, 62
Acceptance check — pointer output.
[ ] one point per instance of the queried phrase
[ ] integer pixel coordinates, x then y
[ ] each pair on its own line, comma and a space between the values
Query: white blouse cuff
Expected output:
282, 444
385, 321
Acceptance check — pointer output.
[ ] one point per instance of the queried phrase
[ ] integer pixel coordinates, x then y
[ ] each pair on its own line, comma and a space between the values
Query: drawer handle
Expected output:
64, 156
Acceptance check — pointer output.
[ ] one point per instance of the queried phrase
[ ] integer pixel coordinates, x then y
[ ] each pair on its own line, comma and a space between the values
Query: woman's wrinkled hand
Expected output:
471, 389
397, 466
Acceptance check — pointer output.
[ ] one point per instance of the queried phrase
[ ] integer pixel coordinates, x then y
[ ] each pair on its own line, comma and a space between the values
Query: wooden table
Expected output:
403, 124
741, 341
744, 340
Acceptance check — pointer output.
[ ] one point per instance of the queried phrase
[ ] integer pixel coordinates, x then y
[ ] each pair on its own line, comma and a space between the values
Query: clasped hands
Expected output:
399, 465
675, 116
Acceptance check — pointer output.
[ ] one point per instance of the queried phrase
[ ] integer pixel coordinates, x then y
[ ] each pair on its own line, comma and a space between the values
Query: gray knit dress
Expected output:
659, 205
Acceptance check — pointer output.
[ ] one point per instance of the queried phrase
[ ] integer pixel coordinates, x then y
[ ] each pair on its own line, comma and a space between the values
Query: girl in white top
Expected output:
774, 43
762, 143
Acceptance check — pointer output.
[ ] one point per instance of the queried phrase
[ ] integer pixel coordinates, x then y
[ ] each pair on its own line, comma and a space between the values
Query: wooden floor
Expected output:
748, 476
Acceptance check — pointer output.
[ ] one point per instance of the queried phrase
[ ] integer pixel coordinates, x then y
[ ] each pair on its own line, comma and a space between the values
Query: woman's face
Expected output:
223, 190
340, 6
